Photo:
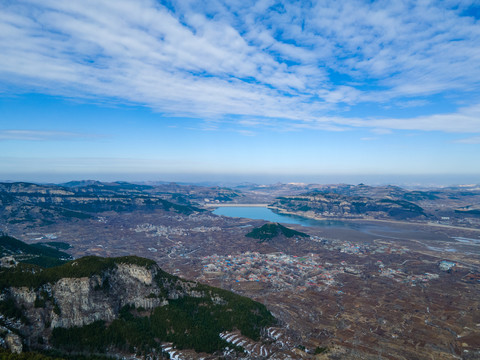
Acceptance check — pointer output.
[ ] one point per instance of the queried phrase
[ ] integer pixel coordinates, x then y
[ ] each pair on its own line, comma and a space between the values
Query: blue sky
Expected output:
246, 90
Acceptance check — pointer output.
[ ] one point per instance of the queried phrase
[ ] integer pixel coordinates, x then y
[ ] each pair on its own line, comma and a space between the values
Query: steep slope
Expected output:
96, 305
45, 255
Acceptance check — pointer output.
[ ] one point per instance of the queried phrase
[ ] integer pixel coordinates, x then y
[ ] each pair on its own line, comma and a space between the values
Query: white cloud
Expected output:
381, 131
345, 94
465, 120
260, 59
470, 140
411, 103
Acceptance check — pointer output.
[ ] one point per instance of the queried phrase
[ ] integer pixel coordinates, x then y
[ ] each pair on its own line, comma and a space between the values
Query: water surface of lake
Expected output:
384, 230
264, 213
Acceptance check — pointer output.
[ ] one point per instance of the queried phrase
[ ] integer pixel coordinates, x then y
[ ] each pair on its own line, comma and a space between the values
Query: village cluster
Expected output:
161, 230
280, 270
348, 247
400, 276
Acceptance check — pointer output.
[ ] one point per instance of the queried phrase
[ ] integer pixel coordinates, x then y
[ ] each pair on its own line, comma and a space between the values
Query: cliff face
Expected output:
80, 304
93, 304
85, 300
72, 301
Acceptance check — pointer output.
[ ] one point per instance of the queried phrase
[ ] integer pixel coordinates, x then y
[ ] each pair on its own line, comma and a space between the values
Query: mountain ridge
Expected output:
125, 303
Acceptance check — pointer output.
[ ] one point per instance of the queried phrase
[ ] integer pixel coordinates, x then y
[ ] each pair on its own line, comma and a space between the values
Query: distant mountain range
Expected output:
38, 205
342, 206
380, 202
45, 204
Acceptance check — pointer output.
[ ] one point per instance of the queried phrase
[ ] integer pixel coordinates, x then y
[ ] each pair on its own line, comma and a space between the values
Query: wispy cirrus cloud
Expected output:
37, 135
470, 140
307, 63
465, 120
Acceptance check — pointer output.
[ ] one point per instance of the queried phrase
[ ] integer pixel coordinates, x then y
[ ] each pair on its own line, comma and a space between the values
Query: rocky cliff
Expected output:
77, 301
39, 306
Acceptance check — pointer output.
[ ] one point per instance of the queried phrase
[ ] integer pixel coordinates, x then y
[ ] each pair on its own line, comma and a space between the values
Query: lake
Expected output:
384, 230
264, 213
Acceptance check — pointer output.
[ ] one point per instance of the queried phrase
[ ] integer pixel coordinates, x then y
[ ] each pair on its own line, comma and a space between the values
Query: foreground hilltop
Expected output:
121, 305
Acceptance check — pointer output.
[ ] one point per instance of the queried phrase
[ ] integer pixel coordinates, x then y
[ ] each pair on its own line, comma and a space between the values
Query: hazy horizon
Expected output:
439, 180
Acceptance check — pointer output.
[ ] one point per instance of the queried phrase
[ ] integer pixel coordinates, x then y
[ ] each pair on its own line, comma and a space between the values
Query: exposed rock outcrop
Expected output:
118, 305
14, 343
78, 301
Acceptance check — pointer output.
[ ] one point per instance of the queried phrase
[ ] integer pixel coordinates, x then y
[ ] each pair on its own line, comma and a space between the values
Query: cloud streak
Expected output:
303, 63
470, 140
36, 135
465, 120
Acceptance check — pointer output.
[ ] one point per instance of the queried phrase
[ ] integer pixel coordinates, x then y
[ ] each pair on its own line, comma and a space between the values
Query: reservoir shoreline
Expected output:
235, 205
287, 214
